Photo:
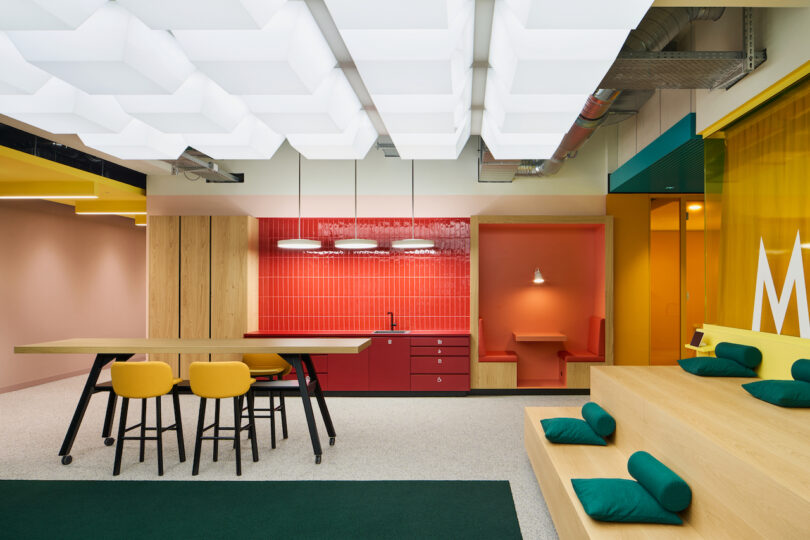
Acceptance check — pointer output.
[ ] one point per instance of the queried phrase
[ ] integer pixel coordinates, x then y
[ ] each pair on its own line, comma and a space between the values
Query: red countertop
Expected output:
356, 333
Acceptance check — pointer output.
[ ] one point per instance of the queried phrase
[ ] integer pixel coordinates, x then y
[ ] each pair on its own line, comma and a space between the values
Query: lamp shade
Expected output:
413, 243
299, 243
355, 243
538, 277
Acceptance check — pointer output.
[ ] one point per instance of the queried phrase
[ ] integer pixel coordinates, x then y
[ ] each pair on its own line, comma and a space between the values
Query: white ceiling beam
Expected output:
482, 32
345, 61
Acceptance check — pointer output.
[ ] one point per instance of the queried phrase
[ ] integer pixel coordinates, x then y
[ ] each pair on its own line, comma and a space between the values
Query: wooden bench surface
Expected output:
747, 461
556, 464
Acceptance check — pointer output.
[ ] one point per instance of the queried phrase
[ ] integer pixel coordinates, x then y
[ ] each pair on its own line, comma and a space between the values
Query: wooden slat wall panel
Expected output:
234, 278
194, 284
164, 282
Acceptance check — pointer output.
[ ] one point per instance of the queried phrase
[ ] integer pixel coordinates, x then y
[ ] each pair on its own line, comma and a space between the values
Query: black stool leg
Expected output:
178, 425
143, 428
195, 469
237, 434
216, 429
109, 416
119, 447
252, 431
283, 411
159, 433
272, 420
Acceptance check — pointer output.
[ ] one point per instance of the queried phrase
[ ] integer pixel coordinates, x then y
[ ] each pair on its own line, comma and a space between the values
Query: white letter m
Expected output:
794, 277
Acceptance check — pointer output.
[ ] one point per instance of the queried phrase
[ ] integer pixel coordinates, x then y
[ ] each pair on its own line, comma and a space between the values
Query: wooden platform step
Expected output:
747, 462
556, 464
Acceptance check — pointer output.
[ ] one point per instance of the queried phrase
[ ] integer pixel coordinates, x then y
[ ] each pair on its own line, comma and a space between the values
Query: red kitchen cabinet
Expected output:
440, 383
444, 364
348, 371
389, 367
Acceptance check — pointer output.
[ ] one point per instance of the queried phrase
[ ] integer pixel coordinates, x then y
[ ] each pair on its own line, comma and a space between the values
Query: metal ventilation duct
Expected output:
658, 27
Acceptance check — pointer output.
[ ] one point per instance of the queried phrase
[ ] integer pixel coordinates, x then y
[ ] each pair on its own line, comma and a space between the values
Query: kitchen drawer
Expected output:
440, 351
439, 383
440, 340
441, 364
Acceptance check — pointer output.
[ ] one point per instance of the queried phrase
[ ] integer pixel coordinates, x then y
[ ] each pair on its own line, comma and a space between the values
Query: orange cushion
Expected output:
499, 356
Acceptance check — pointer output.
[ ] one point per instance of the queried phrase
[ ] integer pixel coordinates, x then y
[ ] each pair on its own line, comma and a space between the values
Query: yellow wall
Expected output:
778, 352
631, 277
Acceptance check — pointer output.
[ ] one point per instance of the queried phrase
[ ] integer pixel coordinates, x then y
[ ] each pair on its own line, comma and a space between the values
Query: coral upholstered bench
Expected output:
578, 363
492, 356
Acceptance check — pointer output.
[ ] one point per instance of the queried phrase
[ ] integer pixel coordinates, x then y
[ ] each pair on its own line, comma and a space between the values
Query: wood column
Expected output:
195, 280
203, 281
163, 245
234, 278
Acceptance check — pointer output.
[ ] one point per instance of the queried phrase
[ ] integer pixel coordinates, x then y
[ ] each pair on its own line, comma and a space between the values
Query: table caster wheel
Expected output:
317, 460
109, 441
331, 441
66, 460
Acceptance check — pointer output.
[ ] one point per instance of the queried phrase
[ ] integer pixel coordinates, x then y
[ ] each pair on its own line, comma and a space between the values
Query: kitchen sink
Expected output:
392, 332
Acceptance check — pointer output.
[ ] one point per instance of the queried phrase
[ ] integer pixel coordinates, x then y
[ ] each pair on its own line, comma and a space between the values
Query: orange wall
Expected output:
64, 276
665, 297
631, 277
568, 257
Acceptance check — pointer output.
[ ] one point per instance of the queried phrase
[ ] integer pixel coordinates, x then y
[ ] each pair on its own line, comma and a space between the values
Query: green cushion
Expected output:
668, 488
800, 370
742, 354
782, 393
620, 500
707, 366
599, 419
570, 431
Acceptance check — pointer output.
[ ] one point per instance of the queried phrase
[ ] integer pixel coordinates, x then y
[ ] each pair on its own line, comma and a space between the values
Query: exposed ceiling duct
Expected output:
656, 30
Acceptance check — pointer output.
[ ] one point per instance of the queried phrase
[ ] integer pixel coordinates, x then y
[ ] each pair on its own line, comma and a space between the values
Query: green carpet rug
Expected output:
245, 510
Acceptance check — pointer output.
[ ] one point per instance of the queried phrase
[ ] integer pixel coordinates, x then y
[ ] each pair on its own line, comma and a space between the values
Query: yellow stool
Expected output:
144, 380
218, 380
270, 365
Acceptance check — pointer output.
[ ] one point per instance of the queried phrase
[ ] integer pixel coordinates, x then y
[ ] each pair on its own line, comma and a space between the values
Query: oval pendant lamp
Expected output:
412, 242
355, 243
299, 243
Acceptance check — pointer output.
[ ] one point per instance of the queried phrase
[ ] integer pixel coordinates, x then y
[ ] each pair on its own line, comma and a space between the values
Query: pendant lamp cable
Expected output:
413, 228
355, 198
299, 194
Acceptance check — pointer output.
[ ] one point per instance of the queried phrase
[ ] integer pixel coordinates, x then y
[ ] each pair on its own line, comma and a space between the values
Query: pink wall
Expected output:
571, 259
64, 276
330, 289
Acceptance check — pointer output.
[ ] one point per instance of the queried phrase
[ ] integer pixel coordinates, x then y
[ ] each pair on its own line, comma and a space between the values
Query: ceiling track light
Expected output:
299, 243
412, 242
355, 243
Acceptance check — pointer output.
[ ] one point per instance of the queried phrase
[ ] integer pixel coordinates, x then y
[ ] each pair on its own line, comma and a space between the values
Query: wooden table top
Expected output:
539, 336
159, 345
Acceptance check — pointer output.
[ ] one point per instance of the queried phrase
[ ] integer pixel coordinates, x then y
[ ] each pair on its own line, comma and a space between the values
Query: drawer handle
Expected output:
438, 379
440, 351
439, 341
389, 342
438, 360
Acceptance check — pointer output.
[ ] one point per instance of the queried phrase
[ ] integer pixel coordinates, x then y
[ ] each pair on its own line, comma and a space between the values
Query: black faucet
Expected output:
393, 324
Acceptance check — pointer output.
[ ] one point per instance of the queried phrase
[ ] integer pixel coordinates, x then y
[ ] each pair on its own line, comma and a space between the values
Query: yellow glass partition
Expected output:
758, 219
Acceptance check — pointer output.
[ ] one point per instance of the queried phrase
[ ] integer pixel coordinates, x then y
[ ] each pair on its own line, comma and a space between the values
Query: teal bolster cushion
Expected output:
742, 354
782, 393
570, 431
801, 370
668, 488
599, 419
621, 500
707, 366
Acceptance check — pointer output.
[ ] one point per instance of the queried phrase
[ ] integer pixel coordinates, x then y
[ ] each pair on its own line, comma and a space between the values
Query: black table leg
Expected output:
109, 416
89, 389
295, 360
327, 420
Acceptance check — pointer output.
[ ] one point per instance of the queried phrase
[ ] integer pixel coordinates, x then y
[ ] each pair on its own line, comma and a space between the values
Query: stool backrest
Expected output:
266, 361
596, 335
139, 380
219, 379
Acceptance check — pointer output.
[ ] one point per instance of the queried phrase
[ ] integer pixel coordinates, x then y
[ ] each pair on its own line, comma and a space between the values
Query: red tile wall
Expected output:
330, 289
